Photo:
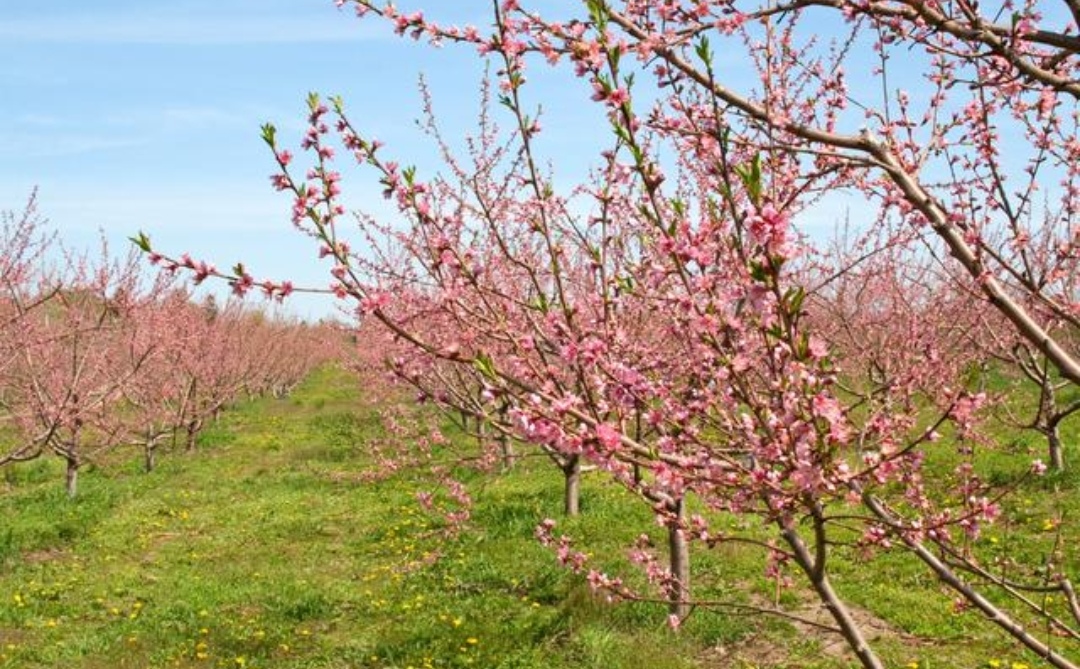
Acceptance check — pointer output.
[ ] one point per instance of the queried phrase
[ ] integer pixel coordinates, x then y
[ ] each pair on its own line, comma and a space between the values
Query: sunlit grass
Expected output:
261, 550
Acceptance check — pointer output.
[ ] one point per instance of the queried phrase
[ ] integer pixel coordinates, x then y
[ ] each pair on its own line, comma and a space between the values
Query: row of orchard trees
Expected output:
98, 354
665, 323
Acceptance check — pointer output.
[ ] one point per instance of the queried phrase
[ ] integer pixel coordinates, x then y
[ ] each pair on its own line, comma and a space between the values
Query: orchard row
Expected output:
97, 354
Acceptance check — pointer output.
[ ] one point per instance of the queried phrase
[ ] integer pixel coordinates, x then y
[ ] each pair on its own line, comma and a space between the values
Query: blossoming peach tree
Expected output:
98, 355
657, 321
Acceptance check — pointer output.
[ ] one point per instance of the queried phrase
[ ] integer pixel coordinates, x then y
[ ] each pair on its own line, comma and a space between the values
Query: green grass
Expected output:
265, 548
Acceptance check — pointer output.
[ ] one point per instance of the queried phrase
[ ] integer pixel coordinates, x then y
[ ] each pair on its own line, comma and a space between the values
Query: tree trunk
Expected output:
506, 448
506, 445
679, 562
193, 428
1047, 422
572, 489
149, 452
816, 574
1057, 452
71, 475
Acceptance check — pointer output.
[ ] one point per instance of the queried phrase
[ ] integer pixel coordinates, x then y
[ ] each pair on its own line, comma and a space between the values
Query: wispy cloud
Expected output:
34, 146
181, 117
34, 136
38, 120
165, 29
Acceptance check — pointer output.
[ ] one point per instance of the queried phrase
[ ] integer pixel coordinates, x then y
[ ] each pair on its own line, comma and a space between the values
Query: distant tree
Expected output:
73, 356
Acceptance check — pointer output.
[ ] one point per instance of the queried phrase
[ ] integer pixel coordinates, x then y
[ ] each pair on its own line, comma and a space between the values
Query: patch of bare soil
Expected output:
805, 644
46, 555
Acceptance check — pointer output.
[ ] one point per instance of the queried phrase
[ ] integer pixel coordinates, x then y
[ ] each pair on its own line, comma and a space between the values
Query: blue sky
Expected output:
129, 116
145, 116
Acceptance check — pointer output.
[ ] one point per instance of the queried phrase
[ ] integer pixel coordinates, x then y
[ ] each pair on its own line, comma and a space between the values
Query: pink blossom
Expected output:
609, 437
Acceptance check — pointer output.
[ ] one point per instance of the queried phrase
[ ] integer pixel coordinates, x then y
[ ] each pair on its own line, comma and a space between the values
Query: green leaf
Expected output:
613, 57
751, 178
483, 363
758, 272
802, 347
269, 133
794, 299
598, 12
142, 241
540, 303
703, 51
621, 132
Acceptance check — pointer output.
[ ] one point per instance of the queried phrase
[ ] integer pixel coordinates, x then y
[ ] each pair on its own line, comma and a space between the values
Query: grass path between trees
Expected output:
266, 548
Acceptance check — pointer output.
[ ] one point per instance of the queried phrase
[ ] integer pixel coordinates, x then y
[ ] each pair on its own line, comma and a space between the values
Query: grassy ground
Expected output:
266, 549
